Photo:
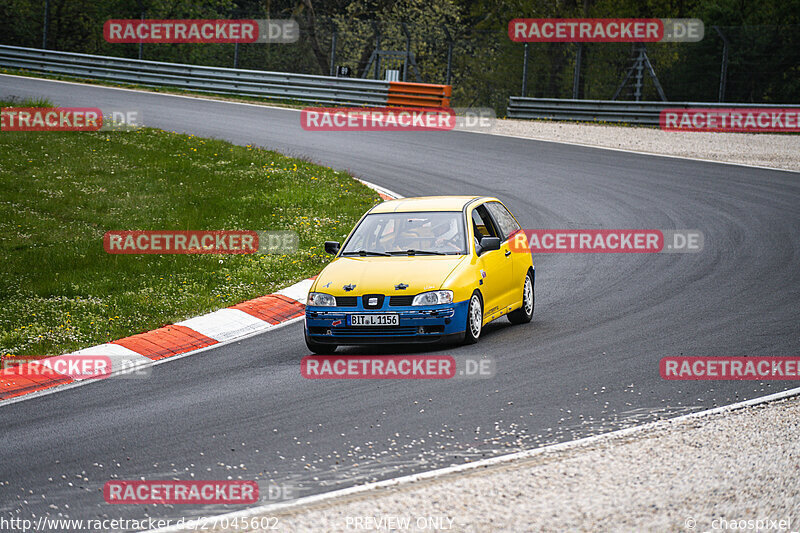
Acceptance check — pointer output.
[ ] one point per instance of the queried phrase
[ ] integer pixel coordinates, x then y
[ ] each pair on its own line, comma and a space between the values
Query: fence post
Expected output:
639, 75
449, 54
46, 16
334, 31
723, 75
377, 49
141, 44
577, 74
408, 50
525, 72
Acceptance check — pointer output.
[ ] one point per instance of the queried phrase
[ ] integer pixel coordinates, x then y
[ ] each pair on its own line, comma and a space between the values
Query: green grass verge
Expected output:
60, 192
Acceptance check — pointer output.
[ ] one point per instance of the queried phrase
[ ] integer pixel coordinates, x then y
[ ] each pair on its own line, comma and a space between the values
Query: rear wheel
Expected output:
320, 348
524, 314
474, 319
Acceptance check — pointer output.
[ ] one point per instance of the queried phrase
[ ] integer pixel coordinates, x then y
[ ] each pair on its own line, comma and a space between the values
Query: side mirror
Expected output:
331, 247
487, 244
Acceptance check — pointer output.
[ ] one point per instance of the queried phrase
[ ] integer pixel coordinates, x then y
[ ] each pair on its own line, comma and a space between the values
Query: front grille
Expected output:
346, 301
367, 331
397, 301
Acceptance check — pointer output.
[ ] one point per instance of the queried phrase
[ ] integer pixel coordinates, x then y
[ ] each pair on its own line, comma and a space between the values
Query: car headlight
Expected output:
433, 298
321, 299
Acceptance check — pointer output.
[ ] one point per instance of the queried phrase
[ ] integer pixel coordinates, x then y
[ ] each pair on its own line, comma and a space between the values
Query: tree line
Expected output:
465, 39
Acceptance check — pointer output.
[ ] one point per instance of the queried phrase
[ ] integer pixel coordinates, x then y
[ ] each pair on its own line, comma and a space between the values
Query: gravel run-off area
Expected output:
718, 472
760, 149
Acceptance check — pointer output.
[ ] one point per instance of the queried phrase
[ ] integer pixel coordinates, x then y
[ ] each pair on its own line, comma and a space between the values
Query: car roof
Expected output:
426, 203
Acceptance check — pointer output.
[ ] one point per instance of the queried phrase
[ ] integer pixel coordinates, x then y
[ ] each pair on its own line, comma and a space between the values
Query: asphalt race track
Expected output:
588, 363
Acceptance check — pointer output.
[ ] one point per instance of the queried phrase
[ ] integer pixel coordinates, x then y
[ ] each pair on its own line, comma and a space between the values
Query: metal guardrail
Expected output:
606, 110
256, 83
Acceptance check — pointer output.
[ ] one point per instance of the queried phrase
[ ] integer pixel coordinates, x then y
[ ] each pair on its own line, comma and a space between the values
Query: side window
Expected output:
503, 218
482, 223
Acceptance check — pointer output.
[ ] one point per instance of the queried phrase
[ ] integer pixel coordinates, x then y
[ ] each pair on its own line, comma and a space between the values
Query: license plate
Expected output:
373, 320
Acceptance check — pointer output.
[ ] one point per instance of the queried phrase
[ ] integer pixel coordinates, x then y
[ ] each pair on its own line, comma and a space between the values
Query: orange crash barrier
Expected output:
419, 94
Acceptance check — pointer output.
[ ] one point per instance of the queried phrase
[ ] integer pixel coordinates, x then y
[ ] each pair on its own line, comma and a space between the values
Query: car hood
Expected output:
380, 275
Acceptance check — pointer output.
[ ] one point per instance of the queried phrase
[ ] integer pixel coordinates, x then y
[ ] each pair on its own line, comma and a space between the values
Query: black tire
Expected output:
524, 314
472, 331
320, 348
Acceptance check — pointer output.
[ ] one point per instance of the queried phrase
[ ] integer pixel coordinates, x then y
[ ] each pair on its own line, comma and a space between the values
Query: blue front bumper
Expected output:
429, 323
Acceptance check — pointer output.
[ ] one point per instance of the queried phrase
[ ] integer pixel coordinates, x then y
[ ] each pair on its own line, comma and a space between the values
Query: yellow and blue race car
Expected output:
421, 270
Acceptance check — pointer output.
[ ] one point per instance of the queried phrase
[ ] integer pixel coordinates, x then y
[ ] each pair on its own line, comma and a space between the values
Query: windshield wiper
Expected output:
363, 253
419, 252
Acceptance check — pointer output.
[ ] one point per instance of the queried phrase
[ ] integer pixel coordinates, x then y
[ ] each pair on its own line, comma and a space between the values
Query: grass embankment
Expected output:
60, 192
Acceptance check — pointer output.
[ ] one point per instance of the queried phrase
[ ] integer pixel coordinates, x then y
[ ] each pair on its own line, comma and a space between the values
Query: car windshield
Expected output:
433, 233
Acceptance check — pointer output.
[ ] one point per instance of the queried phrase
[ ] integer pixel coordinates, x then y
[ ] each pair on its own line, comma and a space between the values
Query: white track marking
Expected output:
122, 358
382, 190
107, 349
226, 324
431, 474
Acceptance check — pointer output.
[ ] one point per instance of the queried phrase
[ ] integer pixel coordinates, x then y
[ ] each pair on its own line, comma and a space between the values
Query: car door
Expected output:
506, 225
495, 265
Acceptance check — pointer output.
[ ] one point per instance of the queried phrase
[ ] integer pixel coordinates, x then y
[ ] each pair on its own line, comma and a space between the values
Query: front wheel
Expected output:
474, 319
524, 314
320, 348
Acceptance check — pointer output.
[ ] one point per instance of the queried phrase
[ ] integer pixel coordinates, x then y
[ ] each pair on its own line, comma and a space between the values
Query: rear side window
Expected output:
503, 218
